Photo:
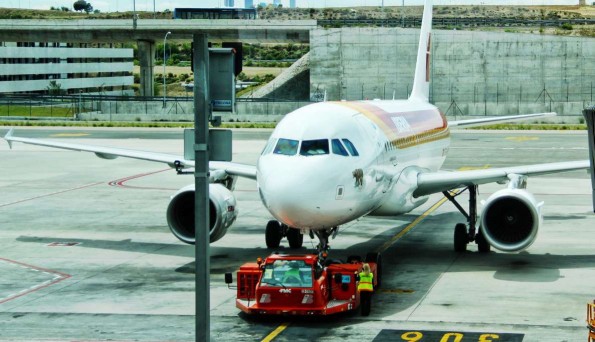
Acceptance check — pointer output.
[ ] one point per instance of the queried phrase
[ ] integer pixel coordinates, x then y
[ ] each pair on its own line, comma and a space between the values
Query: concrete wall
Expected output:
274, 111
184, 111
472, 69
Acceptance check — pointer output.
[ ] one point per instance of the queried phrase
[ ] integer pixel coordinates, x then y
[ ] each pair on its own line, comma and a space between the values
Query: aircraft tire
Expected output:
295, 238
460, 238
482, 244
273, 234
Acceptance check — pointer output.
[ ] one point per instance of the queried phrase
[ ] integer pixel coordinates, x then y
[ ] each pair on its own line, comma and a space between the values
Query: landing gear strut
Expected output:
465, 233
275, 231
323, 247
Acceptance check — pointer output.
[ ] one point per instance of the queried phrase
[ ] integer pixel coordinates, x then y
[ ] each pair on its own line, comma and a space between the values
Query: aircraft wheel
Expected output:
482, 244
273, 234
460, 238
295, 238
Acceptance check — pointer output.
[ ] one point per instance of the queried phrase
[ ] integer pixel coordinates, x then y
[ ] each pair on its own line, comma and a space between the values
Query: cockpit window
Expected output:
287, 273
314, 147
350, 147
338, 148
286, 147
269, 146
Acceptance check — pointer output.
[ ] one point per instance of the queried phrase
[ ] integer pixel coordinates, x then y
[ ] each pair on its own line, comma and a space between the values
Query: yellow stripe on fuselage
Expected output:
400, 141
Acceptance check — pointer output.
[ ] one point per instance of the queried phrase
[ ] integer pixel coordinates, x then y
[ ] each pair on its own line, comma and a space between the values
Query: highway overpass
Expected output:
148, 31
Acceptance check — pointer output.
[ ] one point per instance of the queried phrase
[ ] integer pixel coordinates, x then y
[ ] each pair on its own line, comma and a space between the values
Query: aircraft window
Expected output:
350, 147
314, 147
338, 148
269, 146
287, 147
290, 273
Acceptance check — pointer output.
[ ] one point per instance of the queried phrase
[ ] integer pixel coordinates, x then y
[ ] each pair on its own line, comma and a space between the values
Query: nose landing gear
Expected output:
276, 231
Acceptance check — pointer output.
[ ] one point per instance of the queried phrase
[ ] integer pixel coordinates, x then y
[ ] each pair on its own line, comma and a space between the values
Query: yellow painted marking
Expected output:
469, 168
522, 138
275, 332
69, 135
411, 226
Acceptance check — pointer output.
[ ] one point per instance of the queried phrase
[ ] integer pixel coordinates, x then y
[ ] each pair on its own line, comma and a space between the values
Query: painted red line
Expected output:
62, 276
120, 182
50, 194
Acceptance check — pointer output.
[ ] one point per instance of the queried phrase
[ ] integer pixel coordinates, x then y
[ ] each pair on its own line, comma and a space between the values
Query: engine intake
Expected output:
222, 213
511, 219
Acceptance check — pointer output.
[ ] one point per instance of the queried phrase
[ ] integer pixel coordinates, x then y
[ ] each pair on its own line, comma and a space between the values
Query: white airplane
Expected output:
330, 163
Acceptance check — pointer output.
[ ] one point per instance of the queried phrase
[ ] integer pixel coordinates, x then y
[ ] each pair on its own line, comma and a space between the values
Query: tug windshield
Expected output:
287, 273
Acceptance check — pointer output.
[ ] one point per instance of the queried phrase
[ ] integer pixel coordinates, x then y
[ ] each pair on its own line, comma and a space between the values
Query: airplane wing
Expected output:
174, 161
494, 119
433, 182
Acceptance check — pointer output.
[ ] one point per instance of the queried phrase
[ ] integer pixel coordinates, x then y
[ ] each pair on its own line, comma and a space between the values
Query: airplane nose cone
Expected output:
295, 198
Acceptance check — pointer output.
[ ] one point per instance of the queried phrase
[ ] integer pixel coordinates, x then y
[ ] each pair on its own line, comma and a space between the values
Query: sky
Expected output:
160, 5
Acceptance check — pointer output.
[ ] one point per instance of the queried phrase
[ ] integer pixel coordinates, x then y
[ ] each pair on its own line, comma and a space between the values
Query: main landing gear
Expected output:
276, 231
465, 233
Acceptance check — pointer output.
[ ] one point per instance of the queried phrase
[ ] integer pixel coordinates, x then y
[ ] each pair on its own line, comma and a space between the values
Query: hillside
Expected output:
526, 12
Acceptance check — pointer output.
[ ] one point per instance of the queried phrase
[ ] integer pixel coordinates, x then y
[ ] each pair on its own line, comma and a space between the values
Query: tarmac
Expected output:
86, 255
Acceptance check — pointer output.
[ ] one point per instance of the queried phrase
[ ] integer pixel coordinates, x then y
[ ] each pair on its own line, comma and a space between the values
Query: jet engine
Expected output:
510, 219
222, 213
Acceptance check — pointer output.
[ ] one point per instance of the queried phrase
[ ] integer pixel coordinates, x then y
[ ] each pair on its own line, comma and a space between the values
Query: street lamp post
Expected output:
134, 13
164, 89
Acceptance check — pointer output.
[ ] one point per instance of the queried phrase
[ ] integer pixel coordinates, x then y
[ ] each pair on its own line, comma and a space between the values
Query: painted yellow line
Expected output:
522, 138
275, 332
411, 225
69, 134
469, 168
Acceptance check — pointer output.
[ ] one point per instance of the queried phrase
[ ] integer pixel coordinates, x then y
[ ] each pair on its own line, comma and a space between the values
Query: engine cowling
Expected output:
511, 219
222, 213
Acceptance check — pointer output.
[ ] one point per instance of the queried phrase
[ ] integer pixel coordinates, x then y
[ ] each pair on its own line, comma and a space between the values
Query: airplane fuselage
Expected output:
330, 163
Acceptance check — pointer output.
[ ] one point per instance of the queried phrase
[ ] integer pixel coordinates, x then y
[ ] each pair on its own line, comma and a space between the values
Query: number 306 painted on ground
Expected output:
414, 336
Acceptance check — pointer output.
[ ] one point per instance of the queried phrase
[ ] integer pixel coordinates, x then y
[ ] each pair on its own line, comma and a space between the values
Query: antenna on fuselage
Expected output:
421, 81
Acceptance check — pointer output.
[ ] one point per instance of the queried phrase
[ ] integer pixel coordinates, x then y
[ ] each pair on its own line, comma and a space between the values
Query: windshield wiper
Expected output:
273, 282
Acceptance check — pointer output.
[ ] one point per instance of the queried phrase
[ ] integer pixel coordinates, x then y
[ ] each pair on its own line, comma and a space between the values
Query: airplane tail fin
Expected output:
421, 82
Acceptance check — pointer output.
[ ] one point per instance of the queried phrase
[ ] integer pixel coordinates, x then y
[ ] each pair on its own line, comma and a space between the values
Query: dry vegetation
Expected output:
526, 12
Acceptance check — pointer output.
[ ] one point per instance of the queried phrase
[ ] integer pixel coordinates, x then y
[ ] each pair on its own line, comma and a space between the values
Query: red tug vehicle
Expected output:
302, 284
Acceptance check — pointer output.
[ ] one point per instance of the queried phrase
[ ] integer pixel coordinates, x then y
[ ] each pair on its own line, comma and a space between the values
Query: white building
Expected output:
31, 67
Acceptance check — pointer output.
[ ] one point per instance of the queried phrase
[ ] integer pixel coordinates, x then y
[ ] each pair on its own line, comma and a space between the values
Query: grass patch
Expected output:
35, 111
28, 123
16, 123
538, 127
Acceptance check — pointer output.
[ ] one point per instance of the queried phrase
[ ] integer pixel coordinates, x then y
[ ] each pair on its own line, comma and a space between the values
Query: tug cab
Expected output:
301, 284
